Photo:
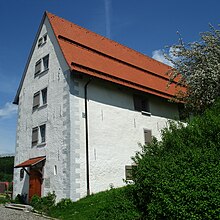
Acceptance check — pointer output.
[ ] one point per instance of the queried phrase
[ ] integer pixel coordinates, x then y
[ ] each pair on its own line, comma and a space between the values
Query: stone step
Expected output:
21, 207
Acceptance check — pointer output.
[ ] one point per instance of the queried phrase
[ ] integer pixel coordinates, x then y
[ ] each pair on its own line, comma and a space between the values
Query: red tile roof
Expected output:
94, 55
31, 162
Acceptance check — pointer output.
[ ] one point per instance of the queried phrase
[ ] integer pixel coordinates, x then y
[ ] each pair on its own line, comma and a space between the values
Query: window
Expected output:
39, 135
42, 133
44, 96
128, 171
34, 136
147, 136
40, 99
141, 103
45, 38
41, 65
37, 67
42, 40
46, 62
36, 100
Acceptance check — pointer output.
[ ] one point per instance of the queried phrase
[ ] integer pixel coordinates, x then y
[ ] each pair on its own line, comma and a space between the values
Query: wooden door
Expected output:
34, 183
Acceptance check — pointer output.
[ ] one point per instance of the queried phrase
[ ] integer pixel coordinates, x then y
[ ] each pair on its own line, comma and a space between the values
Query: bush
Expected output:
4, 199
43, 204
64, 203
178, 177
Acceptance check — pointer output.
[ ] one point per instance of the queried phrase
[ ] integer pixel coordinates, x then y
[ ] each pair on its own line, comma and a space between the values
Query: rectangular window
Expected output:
37, 67
44, 96
41, 65
43, 133
46, 62
128, 171
40, 99
45, 38
141, 103
40, 41
36, 100
34, 136
39, 135
147, 136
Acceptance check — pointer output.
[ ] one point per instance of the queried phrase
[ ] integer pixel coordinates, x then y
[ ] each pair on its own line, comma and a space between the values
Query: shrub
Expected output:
178, 177
43, 204
64, 203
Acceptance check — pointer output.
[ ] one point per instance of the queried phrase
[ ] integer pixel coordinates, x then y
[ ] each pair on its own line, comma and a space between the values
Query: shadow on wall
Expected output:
118, 96
25, 188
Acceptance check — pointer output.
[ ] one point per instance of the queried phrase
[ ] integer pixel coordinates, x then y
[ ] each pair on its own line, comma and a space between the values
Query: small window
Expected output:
43, 133
34, 136
147, 136
41, 65
45, 38
128, 171
37, 67
46, 62
55, 170
44, 96
36, 100
141, 103
21, 173
40, 42
39, 99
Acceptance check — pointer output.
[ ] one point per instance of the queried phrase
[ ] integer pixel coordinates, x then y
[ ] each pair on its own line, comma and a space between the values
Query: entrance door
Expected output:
34, 183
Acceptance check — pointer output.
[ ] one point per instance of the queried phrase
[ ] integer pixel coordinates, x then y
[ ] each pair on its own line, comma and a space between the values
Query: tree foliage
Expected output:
197, 65
6, 168
178, 177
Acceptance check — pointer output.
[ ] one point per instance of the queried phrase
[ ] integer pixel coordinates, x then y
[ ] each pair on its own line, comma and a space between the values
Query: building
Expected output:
84, 104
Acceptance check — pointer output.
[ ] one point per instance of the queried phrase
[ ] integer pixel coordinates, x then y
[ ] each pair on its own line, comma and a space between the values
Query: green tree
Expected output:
197, 65
178, 177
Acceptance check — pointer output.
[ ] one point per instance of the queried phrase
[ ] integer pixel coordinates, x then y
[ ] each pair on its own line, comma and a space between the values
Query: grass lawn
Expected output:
113, 204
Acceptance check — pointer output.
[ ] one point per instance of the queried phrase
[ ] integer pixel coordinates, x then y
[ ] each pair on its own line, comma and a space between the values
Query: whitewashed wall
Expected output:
115, 129
53, 115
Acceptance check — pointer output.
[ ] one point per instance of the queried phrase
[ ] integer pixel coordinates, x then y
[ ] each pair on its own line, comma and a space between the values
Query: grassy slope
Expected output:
112, 204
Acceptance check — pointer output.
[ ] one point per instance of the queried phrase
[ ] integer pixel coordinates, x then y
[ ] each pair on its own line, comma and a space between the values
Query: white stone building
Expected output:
84, 104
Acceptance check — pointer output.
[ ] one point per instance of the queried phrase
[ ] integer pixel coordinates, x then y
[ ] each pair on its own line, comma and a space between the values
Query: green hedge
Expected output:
179, 176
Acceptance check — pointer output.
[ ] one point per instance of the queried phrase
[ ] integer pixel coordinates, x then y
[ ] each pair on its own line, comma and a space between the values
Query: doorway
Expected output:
35, 182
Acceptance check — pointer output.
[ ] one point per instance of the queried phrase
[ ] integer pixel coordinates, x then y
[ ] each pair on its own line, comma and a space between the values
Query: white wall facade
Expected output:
53, 114
115, 128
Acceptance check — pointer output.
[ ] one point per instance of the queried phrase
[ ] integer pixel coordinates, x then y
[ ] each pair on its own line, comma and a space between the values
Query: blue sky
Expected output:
144, 25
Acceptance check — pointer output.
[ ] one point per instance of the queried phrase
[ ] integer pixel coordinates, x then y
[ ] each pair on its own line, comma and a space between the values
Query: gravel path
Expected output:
11, 214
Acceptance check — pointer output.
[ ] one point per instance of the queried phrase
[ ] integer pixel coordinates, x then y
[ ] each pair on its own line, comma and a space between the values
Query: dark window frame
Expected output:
44, 96
45, 62
37, 67
35, 137
128, 171
141, 103
42, 129
36, 100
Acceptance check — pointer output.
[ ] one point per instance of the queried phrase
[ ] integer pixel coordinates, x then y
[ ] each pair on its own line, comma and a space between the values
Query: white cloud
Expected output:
108, 18
158, 55
8, 110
